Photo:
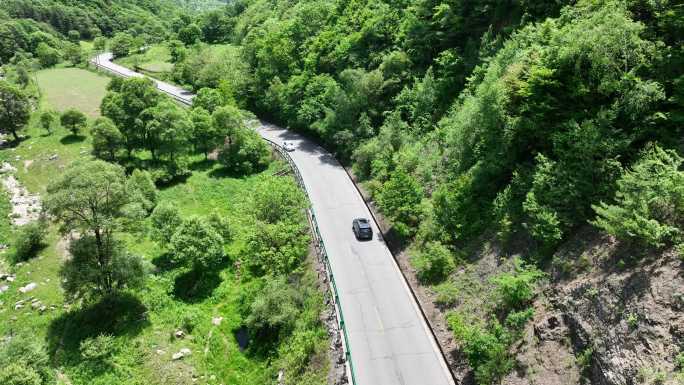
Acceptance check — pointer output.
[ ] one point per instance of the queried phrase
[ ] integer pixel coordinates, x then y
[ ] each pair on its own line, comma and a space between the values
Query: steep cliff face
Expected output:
614, 317
628, 310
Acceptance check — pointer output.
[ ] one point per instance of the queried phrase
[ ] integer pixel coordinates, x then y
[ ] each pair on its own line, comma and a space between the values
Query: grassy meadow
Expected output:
144, 340
64, 88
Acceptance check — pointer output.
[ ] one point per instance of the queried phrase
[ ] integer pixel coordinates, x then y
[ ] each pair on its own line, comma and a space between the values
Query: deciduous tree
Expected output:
74, 120
47, 56
165, 221
121, 44
91, 199
107, 139
197, 243
47, 119
190, 34
649, 205
15, 109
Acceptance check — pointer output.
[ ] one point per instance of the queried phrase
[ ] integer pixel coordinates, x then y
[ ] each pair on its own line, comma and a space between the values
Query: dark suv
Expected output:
362, 228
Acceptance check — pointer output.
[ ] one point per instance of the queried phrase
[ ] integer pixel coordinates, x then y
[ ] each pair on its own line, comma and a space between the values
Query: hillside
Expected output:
494, 137
525, 160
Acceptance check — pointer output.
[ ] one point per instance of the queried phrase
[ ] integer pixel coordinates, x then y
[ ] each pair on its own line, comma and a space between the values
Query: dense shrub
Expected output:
30, 239
24, 361
649, 205
197, 243
400, 198
276, 248
278, 199
433, 262
97, 348
245, 153
18, 374
274, 311
485, 347
165, 219
447, 294
517, 288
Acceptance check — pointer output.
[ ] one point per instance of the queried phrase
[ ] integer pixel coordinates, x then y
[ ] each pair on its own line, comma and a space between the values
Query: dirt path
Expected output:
25, 207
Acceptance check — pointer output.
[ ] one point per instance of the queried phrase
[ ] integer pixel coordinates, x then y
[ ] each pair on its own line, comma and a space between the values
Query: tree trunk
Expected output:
105, 279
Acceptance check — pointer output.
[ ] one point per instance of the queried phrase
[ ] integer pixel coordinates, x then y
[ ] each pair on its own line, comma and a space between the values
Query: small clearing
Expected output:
65, 88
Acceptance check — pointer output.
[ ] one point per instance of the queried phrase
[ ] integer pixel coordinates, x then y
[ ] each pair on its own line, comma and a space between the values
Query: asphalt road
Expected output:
390, 342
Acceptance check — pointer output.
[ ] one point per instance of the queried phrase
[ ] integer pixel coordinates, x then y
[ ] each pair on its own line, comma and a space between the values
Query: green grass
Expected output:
157, 59
65, 88
86, 45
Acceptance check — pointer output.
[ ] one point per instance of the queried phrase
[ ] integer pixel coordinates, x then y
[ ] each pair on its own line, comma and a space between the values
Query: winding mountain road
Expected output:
391, 343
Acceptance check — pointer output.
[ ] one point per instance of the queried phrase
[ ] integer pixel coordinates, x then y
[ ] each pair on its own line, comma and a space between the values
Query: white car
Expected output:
288, 146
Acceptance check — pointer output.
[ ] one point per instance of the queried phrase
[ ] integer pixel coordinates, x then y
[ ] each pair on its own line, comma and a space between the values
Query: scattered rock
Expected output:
217, 321
3, 288
25, 207
179, 334
182, 353
7, 168
28, 288
54, 157
160, 352
551, 329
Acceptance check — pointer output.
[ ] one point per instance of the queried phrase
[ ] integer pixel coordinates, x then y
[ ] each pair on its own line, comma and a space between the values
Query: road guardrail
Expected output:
323, 256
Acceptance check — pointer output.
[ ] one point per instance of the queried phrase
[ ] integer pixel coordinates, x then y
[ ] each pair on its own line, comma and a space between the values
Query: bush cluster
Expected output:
29, 240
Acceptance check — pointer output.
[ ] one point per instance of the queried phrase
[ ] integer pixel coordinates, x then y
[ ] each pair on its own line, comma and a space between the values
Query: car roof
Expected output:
363, 222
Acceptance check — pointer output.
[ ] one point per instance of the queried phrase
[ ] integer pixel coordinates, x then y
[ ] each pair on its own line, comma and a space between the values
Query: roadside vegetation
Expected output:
159, 260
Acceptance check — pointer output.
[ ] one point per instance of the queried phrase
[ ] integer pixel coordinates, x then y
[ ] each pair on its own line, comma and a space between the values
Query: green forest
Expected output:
511, 148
